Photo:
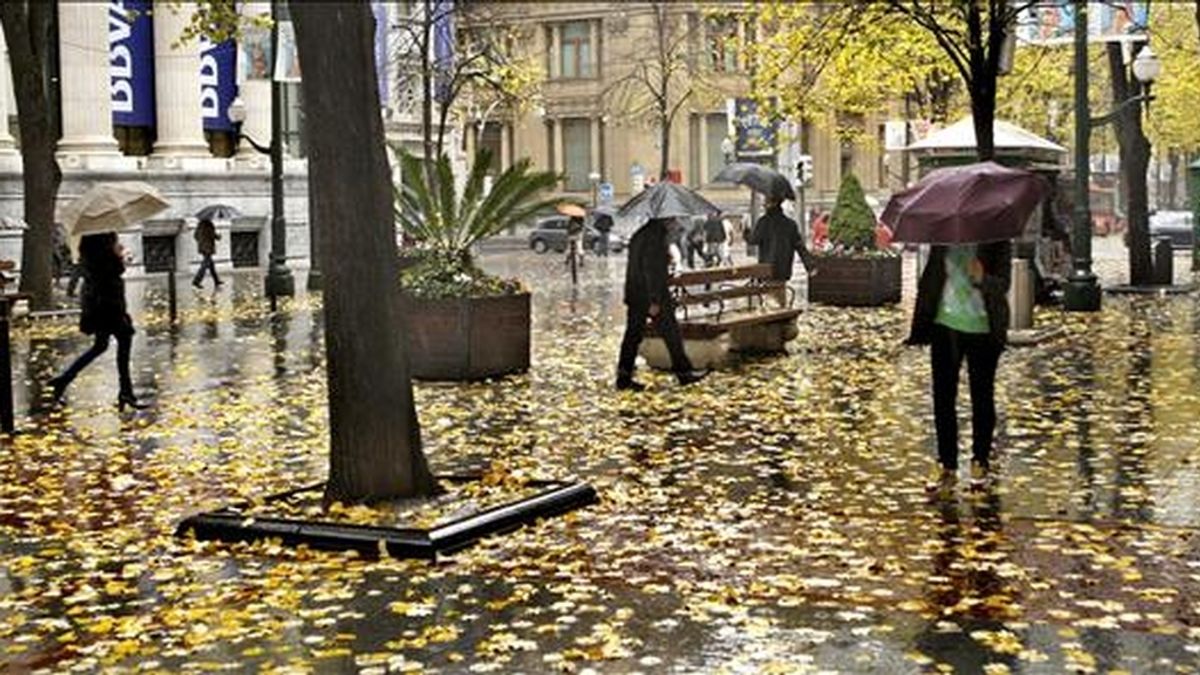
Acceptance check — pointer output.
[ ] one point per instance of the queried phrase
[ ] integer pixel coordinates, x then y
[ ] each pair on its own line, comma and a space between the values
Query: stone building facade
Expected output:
586, 48
182, 142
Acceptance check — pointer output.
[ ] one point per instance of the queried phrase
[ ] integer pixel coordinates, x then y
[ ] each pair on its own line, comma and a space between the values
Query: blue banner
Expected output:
443, 47
131, 62
380, 11
218, 85
755, 131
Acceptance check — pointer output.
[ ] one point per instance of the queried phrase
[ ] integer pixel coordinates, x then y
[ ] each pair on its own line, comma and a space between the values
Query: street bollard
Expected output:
1021, 298
172, 302
1164, 262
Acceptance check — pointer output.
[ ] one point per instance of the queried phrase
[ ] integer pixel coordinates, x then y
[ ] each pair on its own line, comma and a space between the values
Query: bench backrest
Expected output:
714, 275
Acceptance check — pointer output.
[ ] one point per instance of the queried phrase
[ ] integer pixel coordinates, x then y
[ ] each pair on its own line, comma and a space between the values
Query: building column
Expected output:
594, 162
176, 88
87, 129
558, 146
505, 146
702, 147
555, 51
256, 94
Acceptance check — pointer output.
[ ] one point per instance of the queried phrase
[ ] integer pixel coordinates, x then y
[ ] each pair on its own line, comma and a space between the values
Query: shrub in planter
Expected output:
852, 270
464, 323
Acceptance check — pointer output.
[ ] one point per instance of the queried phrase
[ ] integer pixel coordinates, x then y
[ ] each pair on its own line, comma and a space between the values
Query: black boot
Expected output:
126, 398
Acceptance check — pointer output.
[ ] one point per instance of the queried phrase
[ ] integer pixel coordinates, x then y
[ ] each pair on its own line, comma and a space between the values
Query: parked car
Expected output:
1174, 224
550, 233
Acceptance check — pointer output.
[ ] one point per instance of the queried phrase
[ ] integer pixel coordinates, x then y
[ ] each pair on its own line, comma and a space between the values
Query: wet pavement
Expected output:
771, 519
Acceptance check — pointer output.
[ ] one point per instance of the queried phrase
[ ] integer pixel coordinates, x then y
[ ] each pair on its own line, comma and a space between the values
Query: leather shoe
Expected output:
630, 385
692, 377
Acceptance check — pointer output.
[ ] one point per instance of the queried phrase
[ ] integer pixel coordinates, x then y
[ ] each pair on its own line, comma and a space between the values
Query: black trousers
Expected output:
206, 265
668, 330
124, 342
982, 354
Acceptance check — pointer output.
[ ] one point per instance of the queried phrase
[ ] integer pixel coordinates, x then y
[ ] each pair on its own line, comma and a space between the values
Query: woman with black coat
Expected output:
103, 314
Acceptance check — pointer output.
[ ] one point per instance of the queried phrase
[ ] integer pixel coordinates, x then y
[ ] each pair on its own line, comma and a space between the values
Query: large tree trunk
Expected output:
375, 439
1134, 150
27, 32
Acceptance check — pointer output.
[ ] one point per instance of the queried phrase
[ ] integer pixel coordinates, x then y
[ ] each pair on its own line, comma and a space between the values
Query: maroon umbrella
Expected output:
969, 204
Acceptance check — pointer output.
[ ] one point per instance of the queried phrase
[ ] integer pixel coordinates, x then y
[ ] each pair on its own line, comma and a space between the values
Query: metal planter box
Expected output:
855, 282
468, 338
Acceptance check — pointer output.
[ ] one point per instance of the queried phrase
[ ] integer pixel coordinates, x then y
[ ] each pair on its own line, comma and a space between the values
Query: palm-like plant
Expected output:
435, 217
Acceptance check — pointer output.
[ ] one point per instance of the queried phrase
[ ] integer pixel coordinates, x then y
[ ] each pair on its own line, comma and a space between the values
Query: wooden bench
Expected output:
710, 308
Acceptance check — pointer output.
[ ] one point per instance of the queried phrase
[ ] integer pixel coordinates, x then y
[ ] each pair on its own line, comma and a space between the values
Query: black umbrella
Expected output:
218, 212
667, 200
758, 178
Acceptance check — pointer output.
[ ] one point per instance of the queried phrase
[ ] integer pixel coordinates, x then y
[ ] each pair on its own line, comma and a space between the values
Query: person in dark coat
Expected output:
962, 313
103, 314
778, 240
206, 243
648, 297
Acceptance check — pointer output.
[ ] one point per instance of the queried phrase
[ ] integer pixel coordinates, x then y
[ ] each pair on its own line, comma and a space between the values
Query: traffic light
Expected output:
804, 169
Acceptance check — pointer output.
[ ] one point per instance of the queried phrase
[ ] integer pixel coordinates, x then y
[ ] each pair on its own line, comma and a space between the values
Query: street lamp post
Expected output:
279, 281
594, 179
1082, 291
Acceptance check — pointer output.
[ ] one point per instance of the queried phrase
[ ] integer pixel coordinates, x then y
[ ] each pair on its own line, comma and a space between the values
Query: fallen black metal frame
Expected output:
229, 524
1151, 289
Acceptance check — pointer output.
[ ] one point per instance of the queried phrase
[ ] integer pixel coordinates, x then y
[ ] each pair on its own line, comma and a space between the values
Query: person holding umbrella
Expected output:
779, 241
969, 215
777, 236
206, 244
103, 315
647, 295
92, 221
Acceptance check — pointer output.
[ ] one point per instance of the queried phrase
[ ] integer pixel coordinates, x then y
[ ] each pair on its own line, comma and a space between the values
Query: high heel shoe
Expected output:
131, 401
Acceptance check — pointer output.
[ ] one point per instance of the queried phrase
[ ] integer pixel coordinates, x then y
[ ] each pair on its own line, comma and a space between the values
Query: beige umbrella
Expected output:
110, 207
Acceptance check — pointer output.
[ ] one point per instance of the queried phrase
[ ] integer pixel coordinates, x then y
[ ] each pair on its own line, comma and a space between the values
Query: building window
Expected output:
846, 164
575, 49
722, 34
716, 129
577, 152
490, 139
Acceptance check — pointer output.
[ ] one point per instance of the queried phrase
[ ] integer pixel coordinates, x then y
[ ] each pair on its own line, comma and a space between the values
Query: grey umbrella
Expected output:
667, 200
758, 178
218, 212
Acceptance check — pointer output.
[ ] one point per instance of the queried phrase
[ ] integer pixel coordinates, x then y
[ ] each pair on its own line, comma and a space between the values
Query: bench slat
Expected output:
713, 275
743, 291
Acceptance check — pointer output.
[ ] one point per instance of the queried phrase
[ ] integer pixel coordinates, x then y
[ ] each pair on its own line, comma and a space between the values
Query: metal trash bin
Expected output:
1021, 295
1164, 261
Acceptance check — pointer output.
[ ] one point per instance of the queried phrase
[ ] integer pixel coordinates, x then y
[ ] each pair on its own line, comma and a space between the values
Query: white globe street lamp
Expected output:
1146, 67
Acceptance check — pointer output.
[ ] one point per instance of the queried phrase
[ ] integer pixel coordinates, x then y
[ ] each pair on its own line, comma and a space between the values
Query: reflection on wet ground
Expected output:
774, 518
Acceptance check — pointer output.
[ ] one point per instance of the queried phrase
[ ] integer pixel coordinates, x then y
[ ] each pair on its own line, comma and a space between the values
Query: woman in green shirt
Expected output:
962, 313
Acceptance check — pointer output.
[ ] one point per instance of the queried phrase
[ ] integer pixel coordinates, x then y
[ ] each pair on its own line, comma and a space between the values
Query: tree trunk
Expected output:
664, 159
983, 112
27, 32
1134, 150
375, 439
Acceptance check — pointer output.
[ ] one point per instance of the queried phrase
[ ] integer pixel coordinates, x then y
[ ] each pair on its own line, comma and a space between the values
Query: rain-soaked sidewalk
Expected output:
771, 519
